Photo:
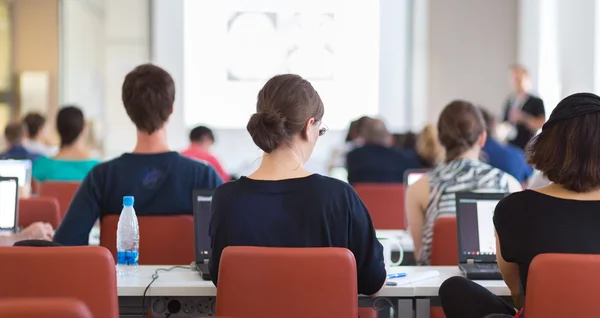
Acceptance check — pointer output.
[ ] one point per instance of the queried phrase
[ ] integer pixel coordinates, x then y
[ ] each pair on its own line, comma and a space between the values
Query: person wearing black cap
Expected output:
523, 110
559, 218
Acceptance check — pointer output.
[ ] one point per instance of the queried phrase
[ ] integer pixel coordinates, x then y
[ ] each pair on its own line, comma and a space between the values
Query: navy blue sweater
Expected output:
161, 184
314, 211
378, 164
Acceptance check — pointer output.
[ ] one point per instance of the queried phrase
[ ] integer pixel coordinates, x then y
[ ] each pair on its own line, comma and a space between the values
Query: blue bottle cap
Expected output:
128, 201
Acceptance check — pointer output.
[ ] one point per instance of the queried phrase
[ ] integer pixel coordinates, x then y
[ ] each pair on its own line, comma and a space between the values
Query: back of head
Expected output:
489, 119
459, 128
14, 133
34, 122
69, 124
201, 133
284, 106
429, 147
375, 133
148, 94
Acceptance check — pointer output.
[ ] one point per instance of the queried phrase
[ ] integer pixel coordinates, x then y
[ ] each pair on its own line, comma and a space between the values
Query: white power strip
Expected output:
182, 307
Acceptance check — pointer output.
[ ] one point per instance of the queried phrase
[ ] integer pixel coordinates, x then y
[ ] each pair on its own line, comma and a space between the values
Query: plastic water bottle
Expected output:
128, 239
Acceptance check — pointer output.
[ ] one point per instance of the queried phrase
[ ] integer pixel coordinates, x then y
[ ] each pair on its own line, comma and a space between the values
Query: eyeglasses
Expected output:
323, 129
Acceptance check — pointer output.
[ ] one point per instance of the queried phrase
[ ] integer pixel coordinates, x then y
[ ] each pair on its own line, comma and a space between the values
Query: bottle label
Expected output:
127, 257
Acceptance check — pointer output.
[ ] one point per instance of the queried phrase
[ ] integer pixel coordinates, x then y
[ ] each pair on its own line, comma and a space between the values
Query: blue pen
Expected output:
397, 275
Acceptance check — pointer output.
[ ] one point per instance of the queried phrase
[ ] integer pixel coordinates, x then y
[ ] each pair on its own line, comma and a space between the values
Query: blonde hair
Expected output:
428, 146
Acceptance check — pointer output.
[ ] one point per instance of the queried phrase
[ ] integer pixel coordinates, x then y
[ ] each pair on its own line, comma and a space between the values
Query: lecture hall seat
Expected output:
385, 202
38, 209
85, 273
44, 307
62, 191
444, 250
163, 239
563, 285
287, 282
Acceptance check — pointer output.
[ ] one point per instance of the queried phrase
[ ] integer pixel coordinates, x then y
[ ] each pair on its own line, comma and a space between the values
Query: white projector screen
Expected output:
231, 47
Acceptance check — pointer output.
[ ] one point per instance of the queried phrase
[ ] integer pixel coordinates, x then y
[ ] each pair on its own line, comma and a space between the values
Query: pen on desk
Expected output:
396, 275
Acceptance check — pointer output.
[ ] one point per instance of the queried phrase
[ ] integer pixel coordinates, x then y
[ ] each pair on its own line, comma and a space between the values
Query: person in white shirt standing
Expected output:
36, 135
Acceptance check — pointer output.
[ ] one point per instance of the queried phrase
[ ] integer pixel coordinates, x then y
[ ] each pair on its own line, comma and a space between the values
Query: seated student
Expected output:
201, 140
559, 218
282, 204
461, 130
35, 231
36, 135
72, 163
377, 161
354, 139
429, 149
507, 158
160, 180
14, 133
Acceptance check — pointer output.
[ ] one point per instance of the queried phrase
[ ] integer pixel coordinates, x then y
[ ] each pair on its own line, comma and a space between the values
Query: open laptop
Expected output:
202, 216
476, 235
20, 169
413, 175
9, 196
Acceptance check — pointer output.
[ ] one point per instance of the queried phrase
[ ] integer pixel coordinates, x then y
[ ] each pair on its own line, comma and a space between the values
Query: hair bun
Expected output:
267, 130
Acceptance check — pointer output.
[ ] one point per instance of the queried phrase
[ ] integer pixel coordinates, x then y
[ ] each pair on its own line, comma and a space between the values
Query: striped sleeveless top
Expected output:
462, 175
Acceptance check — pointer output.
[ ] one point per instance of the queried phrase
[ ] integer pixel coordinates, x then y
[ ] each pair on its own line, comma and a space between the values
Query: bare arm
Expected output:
417, 196
510, 274
514, 185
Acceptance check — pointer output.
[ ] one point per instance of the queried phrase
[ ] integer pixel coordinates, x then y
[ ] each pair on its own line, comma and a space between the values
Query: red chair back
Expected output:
163, 239
40, 209
62, 191
563, 285
444, 246
287, 282
385, 203
44, 307
84, 273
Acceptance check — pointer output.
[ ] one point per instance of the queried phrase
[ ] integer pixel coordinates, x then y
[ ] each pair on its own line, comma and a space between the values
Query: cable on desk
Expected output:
154, 278
385, 300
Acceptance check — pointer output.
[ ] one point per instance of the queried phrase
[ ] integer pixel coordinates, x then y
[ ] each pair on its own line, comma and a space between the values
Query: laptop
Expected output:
476, 235
20, 169
9, 198
413, 175
202, 216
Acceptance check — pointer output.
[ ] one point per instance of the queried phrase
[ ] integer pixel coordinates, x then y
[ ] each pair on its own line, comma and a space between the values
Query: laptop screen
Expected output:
202, 216
20, 169
474, 217
8, 203
413, 175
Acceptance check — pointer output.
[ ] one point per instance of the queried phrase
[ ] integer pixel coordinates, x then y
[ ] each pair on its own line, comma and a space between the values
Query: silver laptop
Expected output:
476, 235
9, 198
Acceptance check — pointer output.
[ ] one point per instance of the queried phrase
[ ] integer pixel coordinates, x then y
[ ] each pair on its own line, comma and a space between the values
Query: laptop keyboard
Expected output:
486, 265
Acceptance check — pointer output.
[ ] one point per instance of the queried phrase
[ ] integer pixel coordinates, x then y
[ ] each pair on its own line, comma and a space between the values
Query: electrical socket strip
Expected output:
182, 307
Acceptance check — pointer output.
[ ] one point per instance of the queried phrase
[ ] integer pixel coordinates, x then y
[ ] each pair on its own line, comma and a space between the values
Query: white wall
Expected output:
471, 45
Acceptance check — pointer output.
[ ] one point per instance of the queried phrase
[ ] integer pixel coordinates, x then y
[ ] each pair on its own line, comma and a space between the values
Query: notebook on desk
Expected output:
202, 215
476, 235
9, 198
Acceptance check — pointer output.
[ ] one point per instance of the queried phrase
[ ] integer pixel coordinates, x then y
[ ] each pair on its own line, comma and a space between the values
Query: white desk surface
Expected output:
185, 282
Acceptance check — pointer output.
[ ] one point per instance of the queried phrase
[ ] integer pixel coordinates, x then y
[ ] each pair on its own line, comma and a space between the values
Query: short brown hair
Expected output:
568, 152
284, 106
148, 95
428, 146
459, 127
14, 132
34, 123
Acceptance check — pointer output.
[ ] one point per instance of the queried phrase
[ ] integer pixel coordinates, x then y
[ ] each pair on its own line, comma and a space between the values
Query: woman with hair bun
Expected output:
282, 204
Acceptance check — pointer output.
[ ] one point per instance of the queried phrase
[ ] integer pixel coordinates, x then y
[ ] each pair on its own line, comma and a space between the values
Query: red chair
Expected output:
287, 282
62, 191
563, 285
44, 307
444, 246
40, 209
385, 203
84, 273
163, 239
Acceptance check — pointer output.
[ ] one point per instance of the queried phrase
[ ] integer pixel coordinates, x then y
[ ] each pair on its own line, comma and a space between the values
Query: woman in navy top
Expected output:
282, 204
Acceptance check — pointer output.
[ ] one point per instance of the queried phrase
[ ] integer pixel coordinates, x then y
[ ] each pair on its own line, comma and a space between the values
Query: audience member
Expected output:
14, 133
377, 161
37, 134
559, 218
429, 149
461, 130
201, 140
354, 139
72, 163
406, 140
160, 180
35, 231
507, 158
282, 204
523, 110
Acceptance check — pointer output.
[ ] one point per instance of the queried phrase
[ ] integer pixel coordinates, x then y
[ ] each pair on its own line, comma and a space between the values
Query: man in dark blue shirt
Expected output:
507, 158
160, 180
14, 133
377, 161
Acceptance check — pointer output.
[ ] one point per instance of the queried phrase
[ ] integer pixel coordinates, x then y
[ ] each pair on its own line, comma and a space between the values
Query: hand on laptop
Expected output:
37, 231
